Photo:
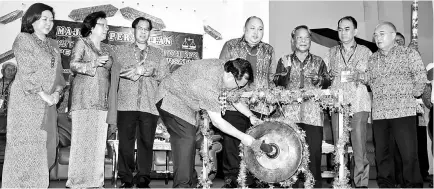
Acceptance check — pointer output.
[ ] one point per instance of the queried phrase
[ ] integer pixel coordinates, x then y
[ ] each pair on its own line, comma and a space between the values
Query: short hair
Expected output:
32, 15
250, 18
300, 27
137, 20
390, 24
90, 21
239, 67
349, 18
6, 64
400, 34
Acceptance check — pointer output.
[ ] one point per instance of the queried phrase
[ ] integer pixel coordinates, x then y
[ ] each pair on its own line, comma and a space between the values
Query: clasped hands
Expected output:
314, 77
102, 60
138, 70
50, 99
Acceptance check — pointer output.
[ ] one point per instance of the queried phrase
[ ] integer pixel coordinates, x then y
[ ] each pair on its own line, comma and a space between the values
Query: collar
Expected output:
243, 40
134, 45
294, 56
395, 45
353, 46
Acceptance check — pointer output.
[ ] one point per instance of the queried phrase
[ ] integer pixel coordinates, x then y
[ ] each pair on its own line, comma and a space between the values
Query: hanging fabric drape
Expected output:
11, 16
80, 14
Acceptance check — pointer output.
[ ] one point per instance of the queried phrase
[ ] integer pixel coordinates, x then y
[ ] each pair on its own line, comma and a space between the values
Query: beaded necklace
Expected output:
248, 52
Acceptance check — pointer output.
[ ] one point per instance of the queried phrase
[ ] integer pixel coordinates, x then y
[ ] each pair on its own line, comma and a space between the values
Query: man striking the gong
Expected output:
199, 85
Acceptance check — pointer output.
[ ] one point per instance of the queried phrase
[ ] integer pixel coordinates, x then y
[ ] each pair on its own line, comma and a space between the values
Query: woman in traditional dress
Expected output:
38, 84
91, 63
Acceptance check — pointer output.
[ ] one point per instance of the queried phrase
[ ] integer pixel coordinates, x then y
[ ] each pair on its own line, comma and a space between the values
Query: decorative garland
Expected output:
281, 96
341, 148
204, 181
304, 168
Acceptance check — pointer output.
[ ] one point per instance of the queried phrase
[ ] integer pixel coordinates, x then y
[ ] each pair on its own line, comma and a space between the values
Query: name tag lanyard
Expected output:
349, 59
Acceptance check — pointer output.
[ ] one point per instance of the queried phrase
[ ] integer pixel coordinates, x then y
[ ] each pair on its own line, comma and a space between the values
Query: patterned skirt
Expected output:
88, 143
25, 164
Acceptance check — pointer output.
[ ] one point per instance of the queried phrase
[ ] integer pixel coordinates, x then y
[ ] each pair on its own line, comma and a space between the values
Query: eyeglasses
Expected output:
103, 25
238, 86
381, 35
143, 29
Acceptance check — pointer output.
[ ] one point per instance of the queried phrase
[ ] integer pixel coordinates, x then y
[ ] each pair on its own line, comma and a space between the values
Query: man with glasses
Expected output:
195, 86
397, 76
142, 68
346, 58
304, 70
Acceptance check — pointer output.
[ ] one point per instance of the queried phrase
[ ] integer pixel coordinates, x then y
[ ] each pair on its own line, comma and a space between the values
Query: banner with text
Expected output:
179, 48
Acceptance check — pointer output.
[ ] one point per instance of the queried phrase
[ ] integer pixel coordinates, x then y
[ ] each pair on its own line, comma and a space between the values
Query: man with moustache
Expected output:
260, 55
195, 86
345, 58
304, 70
396, 75
142, 68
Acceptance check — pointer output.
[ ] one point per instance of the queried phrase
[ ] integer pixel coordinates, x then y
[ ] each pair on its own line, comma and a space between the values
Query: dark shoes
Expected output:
126, 185
230, 183
143, 182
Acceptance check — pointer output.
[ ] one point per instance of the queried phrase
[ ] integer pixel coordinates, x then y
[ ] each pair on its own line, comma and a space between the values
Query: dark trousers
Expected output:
422, 154
231, 145
314, 136
183, 143
430, 128
404, 131
134, 125
422, 151
231, 150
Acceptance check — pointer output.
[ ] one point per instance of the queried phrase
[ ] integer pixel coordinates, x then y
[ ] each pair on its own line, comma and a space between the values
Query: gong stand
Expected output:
205, 182
341, 132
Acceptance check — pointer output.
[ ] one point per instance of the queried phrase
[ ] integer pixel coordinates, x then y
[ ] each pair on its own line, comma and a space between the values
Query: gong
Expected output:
285, 158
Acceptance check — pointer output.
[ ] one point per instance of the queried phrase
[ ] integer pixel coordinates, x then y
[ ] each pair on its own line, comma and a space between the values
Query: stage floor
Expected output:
217, 183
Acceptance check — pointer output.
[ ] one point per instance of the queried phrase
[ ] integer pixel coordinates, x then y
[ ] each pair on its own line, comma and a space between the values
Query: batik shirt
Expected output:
192, 87
353, 60
139, 95
293, 78
91, 84
395, 79
261, 57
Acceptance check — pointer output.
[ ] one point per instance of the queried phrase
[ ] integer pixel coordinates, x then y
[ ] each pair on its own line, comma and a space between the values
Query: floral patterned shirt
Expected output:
90, 87
353, 60
139, 95
395, 79
192, 87
292, 77
261, 57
